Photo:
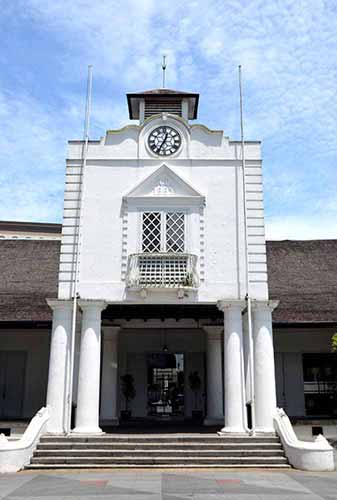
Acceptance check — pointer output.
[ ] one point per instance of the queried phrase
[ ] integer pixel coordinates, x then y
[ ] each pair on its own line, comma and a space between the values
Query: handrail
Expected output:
14, 455
303, 455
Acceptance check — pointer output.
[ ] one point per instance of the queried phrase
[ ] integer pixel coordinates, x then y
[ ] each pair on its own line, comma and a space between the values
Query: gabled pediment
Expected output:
164, 183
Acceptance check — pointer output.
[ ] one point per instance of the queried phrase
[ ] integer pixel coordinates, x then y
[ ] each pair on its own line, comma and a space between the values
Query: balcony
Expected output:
162, 270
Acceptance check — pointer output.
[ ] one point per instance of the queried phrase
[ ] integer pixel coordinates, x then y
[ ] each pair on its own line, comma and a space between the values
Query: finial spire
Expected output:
163, 66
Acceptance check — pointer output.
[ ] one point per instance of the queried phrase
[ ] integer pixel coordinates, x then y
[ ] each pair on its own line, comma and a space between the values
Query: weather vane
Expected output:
163, 66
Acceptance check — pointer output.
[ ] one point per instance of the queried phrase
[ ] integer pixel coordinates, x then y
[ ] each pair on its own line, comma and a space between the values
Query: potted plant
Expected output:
334, 343
195, 385
129, 392
188, 280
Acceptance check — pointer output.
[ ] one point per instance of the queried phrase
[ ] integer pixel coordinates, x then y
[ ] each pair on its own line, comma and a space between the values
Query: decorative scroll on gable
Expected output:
164, 183
163, 189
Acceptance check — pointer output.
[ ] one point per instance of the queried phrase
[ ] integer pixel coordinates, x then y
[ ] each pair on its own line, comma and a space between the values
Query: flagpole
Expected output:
163, 67
248, 297
78, 235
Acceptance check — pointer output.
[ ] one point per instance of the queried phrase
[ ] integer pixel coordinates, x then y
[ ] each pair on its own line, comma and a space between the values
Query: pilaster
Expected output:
109, 390
214, 376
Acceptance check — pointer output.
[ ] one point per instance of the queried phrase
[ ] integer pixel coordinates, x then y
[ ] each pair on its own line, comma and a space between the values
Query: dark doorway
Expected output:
165, 386
12, 382
320, 384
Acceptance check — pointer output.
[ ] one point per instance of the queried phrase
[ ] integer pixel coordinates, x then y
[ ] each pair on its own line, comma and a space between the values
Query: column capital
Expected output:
213, 332
225, 305
56, 304
264, 305
98, 305
110, 331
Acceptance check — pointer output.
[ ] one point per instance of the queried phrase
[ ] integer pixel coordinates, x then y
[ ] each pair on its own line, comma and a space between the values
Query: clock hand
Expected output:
163, 141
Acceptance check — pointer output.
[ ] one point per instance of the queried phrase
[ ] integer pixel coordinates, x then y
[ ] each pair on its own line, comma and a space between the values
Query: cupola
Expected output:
142, 105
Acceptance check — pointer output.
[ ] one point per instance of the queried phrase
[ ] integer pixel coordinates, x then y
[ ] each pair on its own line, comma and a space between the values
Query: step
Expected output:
168, 451
155, 439
155, 446
171, 466
132, 460
157, 453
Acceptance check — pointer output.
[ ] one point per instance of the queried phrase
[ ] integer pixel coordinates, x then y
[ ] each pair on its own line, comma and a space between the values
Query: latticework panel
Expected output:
175, 232
162, 270
151, 241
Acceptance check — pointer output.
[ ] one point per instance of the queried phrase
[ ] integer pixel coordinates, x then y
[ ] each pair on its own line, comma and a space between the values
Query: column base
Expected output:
213, 421
87, 430
232, 431
50, 432
265, 430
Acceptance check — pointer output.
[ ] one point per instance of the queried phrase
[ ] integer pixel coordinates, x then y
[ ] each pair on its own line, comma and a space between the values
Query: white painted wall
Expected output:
36, 344
211, 164
289, 382
303, 339
289, 345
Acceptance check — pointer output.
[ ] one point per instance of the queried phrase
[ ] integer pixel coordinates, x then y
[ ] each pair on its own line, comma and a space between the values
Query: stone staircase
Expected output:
157, 451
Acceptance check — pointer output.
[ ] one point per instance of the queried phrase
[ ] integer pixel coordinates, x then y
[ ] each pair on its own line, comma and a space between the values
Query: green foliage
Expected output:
334, 343
188, 281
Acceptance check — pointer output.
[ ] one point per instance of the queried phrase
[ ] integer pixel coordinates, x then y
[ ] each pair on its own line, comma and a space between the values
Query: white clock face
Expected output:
164, 141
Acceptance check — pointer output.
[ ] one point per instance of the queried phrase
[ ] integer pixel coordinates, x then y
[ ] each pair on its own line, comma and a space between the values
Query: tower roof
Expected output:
165, 96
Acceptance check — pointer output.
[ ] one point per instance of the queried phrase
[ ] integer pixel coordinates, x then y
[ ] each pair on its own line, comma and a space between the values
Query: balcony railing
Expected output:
320, 387
162, 270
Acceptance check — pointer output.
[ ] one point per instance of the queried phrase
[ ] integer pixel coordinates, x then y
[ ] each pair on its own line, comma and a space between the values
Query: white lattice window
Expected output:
151, 236
163, 232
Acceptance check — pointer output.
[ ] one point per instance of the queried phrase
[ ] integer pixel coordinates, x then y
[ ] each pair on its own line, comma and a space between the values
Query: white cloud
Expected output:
31, 178
287, 50
301, 227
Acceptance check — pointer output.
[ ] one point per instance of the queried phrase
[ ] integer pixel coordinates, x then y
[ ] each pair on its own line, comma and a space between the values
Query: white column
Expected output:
264, 368
214, 376
87, 413
58, 363
233, 359
109, 389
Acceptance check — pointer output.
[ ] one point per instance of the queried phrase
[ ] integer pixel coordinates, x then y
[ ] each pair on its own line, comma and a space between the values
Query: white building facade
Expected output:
156, 221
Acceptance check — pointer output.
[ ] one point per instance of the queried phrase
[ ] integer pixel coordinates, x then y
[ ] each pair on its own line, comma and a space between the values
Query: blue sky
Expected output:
288, 53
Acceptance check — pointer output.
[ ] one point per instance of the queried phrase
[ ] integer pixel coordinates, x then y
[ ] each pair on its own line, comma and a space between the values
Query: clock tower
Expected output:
155, 217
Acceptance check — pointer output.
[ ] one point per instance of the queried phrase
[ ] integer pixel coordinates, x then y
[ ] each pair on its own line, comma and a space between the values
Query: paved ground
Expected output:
169, 485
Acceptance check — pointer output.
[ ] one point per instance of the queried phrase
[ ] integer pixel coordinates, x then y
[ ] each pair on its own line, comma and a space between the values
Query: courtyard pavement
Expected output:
169, 485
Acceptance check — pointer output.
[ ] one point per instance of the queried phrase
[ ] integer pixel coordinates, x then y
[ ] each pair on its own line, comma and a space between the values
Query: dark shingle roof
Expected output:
33, 227
302, 275
162, 91
28, 270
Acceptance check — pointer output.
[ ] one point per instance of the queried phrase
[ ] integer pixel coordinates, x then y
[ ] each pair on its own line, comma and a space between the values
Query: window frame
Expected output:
163, 214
